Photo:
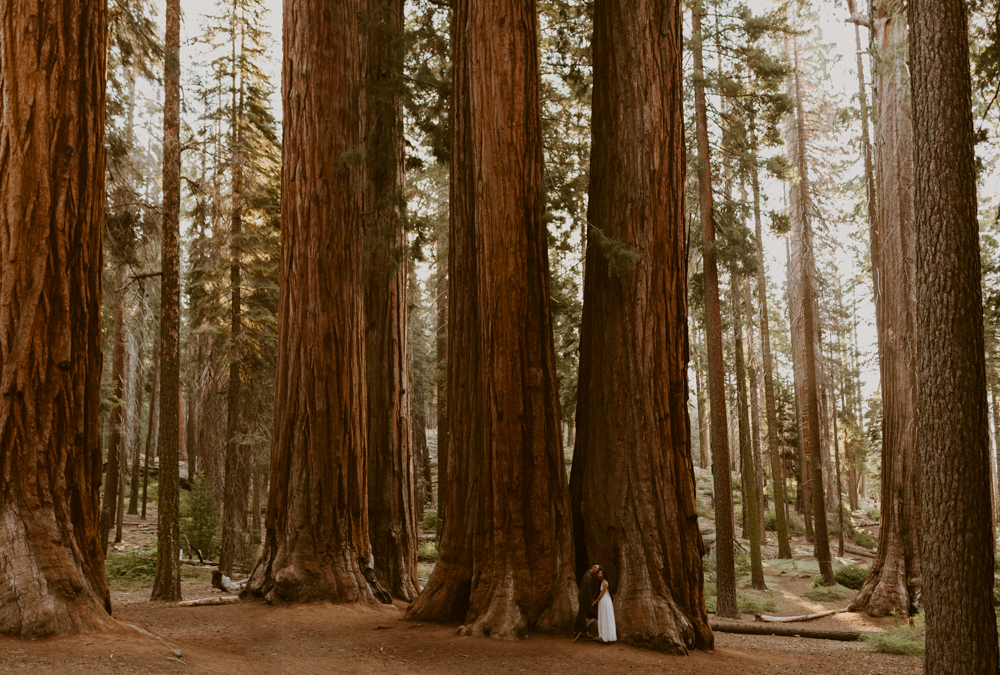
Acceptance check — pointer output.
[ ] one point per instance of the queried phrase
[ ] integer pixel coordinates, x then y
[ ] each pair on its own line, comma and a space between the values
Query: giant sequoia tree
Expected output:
506, 557
957, 552
633, 477
52, 106
316, 545
893, 583
391, 494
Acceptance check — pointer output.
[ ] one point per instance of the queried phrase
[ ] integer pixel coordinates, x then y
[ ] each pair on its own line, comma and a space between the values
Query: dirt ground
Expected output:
256, 639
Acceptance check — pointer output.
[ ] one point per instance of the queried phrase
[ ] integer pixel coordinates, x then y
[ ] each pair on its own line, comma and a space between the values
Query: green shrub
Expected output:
853, 576
862, 538
795, 524
826, 593
200, 518
873, 513
136, 565
748, 604
430, 523
899, 639
705, 510
833, 523
427, 552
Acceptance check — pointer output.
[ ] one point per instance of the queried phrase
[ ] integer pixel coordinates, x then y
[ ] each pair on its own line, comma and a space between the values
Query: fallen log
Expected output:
215, 600
801, 617
199, 563
784, 631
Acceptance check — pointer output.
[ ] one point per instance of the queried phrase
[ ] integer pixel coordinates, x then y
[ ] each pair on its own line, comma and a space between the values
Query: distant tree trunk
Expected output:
391, 509
953, 431
725, 565
447, 593
120, 508
702, 420
632, 426
52, 109
522, 568
840, 491
774, 450
994, 383
810, 336
421, 456
753, 372
803, 498
167, 583
134, 435
236, 492
318, 549
894, 582
752, 523
442, 372
109, 507
151, 430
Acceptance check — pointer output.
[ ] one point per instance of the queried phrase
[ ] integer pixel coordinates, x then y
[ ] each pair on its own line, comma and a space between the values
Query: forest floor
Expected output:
254, 638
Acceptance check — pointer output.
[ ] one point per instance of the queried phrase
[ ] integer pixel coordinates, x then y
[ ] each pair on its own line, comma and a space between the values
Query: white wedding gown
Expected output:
606, 618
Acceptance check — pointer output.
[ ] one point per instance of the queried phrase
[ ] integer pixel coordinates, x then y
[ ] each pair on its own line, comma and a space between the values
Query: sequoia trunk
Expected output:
391, 495
632, 463
957, 550
52, 153
893, 584
316, 544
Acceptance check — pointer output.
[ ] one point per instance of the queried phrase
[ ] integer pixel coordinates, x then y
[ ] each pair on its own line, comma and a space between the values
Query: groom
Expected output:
587, 592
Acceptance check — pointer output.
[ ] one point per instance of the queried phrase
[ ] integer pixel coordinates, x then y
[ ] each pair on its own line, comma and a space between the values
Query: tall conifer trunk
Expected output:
52, 109
893, 584
521, 576
112, 479
632, 423
810, 335
774, 450
316, 545
957, 551
391, 473
167, 583
722, 478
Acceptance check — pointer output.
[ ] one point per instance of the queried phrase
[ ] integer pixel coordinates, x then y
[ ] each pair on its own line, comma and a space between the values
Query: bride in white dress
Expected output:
605, 611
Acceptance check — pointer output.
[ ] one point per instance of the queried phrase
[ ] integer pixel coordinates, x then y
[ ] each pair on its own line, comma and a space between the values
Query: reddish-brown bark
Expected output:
893, 584
391, 509
167, 583
521, 553
957, 551
724, 528
633, 475
316, 545
447, 594
52, 103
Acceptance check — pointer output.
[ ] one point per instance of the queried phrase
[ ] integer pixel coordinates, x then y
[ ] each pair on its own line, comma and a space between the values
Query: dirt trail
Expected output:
254, 638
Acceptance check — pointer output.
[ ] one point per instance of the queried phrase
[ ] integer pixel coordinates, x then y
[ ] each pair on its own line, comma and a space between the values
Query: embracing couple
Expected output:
595, 601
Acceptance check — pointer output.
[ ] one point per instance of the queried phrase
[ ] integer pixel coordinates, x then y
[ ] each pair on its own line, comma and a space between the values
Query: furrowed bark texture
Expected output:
719, 432
167, 583
522, 566
893, 584
446, 596
957, 552
633, 489
391, 494
52, 103
316, 545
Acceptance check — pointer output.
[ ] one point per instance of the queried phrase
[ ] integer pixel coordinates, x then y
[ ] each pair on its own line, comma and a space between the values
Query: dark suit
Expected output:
587, 594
